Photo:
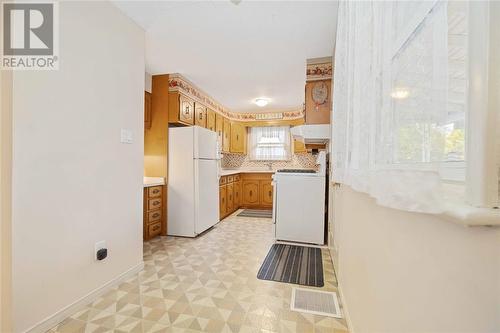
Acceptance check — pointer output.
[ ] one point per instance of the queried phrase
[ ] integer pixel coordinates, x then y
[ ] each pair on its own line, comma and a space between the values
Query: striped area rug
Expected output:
293, 264
256, 213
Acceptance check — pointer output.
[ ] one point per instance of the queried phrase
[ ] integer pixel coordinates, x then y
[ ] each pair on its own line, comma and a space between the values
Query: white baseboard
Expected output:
345, 312
51, 321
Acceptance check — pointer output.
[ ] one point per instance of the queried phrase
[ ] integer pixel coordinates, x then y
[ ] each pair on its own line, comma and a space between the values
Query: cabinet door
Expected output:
222, 201
147, 110
238, 134
250, 193
236, 195
226, 142
298, 146
266, 193
186, 112
230, 198
219, 127
200, 112
211, 120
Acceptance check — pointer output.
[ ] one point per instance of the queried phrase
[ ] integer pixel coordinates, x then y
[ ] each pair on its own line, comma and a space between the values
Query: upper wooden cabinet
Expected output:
180, 109
200, 115
318, 102
226, 142
219, 127
298, 146
211, 120
147, 110
238, 138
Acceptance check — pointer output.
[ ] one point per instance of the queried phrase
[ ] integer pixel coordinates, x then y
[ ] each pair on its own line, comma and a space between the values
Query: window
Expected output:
269, 143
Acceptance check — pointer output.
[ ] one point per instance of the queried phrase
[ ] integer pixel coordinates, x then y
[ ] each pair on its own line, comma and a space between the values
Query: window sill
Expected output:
471, 216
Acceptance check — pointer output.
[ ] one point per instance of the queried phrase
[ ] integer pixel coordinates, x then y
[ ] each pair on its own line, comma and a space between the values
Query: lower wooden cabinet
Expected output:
250, 193
266, 193
237, 194
222, 201
153, 217
230, 198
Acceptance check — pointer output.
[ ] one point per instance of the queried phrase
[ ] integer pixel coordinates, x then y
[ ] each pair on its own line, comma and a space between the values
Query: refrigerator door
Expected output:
205, 143
206, 194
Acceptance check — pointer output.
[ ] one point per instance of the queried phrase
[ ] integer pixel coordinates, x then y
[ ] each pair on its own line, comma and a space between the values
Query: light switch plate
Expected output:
126, 136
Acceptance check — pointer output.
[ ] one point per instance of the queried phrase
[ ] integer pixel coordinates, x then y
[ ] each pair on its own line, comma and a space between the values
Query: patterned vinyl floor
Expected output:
206, 284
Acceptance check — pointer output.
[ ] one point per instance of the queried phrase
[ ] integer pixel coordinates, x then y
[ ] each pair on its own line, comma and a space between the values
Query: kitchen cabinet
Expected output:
200, 114
147, 110
236, 193
222, 201
219, 127
226, 142
230, 197
256, 190
211, 119
298, 146
180, 109
238, 138
153, 214
318, 102
266, 193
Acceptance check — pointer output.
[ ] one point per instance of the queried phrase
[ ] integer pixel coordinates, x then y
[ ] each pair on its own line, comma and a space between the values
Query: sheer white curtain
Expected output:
269, 143
399, 100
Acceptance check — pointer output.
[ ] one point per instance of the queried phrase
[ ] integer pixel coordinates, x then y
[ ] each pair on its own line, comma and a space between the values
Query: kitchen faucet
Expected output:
270, 165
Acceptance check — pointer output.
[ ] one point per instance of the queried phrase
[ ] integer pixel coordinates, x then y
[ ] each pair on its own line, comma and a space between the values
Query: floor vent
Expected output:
317, 302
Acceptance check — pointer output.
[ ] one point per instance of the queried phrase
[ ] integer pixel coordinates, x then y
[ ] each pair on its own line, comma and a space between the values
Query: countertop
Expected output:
153, 181
227, 172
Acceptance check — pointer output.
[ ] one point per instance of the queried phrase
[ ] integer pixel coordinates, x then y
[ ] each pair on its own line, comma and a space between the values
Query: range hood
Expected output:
312, 134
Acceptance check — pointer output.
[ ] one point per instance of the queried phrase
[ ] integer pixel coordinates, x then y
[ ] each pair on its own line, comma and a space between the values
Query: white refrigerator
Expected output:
193, 181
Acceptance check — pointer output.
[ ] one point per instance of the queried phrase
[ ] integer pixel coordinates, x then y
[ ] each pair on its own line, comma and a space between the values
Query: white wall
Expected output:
148, 84
407, 272
74, 183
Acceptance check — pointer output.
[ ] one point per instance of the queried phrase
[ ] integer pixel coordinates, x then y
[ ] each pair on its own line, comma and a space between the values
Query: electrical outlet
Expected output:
99, 245
126, 136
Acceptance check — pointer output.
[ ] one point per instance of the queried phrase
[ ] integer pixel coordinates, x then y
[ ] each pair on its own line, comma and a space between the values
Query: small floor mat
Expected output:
256, 213
293, 264
323, 303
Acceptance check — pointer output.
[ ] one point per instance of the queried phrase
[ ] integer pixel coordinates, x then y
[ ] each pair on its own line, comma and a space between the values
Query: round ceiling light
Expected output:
261, 102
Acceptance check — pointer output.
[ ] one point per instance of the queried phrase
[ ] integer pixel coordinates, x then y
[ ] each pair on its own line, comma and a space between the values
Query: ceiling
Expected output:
237, 53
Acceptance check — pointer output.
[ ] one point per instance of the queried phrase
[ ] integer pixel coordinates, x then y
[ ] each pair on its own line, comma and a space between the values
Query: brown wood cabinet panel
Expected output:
147, 110
318, 114
211, 119
223, 180
250, 193
222, 201
298, 146
154, 229
200, 112
154, 203
226, 142
230, 198
219, 127
154, 191
236, 195
186, 114
154, 215
266, 193
238, 138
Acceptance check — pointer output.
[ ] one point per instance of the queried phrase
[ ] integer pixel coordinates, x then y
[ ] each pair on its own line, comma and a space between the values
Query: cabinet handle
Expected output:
237, 137
251, 193
200, 116
230, 197
156, 203
156, 191
186, 111
270, 193
156, 227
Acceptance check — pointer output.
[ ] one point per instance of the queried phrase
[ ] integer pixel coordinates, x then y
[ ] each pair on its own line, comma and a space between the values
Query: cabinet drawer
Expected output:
236, 177
154, 215
154, 229
230, 179
154, 191
154, 203
222, 180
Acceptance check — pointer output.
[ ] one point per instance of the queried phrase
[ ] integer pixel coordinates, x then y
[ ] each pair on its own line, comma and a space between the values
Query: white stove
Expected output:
299, 204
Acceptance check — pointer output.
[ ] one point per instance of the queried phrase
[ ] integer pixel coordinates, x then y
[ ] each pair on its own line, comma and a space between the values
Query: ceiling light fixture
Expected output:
400, 93
261, 102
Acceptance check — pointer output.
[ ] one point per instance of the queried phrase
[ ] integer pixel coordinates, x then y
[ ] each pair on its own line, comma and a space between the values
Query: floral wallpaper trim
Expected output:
178, 83
319, 71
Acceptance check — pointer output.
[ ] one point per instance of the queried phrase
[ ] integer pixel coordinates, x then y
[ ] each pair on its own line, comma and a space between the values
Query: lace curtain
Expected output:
269, 143
399, 100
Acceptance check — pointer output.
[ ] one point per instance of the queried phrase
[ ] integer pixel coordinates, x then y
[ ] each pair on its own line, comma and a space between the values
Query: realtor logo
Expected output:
29, 39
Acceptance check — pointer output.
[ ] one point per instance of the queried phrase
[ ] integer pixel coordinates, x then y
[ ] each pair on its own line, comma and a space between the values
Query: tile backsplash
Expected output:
298, 161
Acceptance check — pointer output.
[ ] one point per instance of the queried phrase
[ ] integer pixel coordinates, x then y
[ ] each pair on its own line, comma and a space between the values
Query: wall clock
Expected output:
319, 93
